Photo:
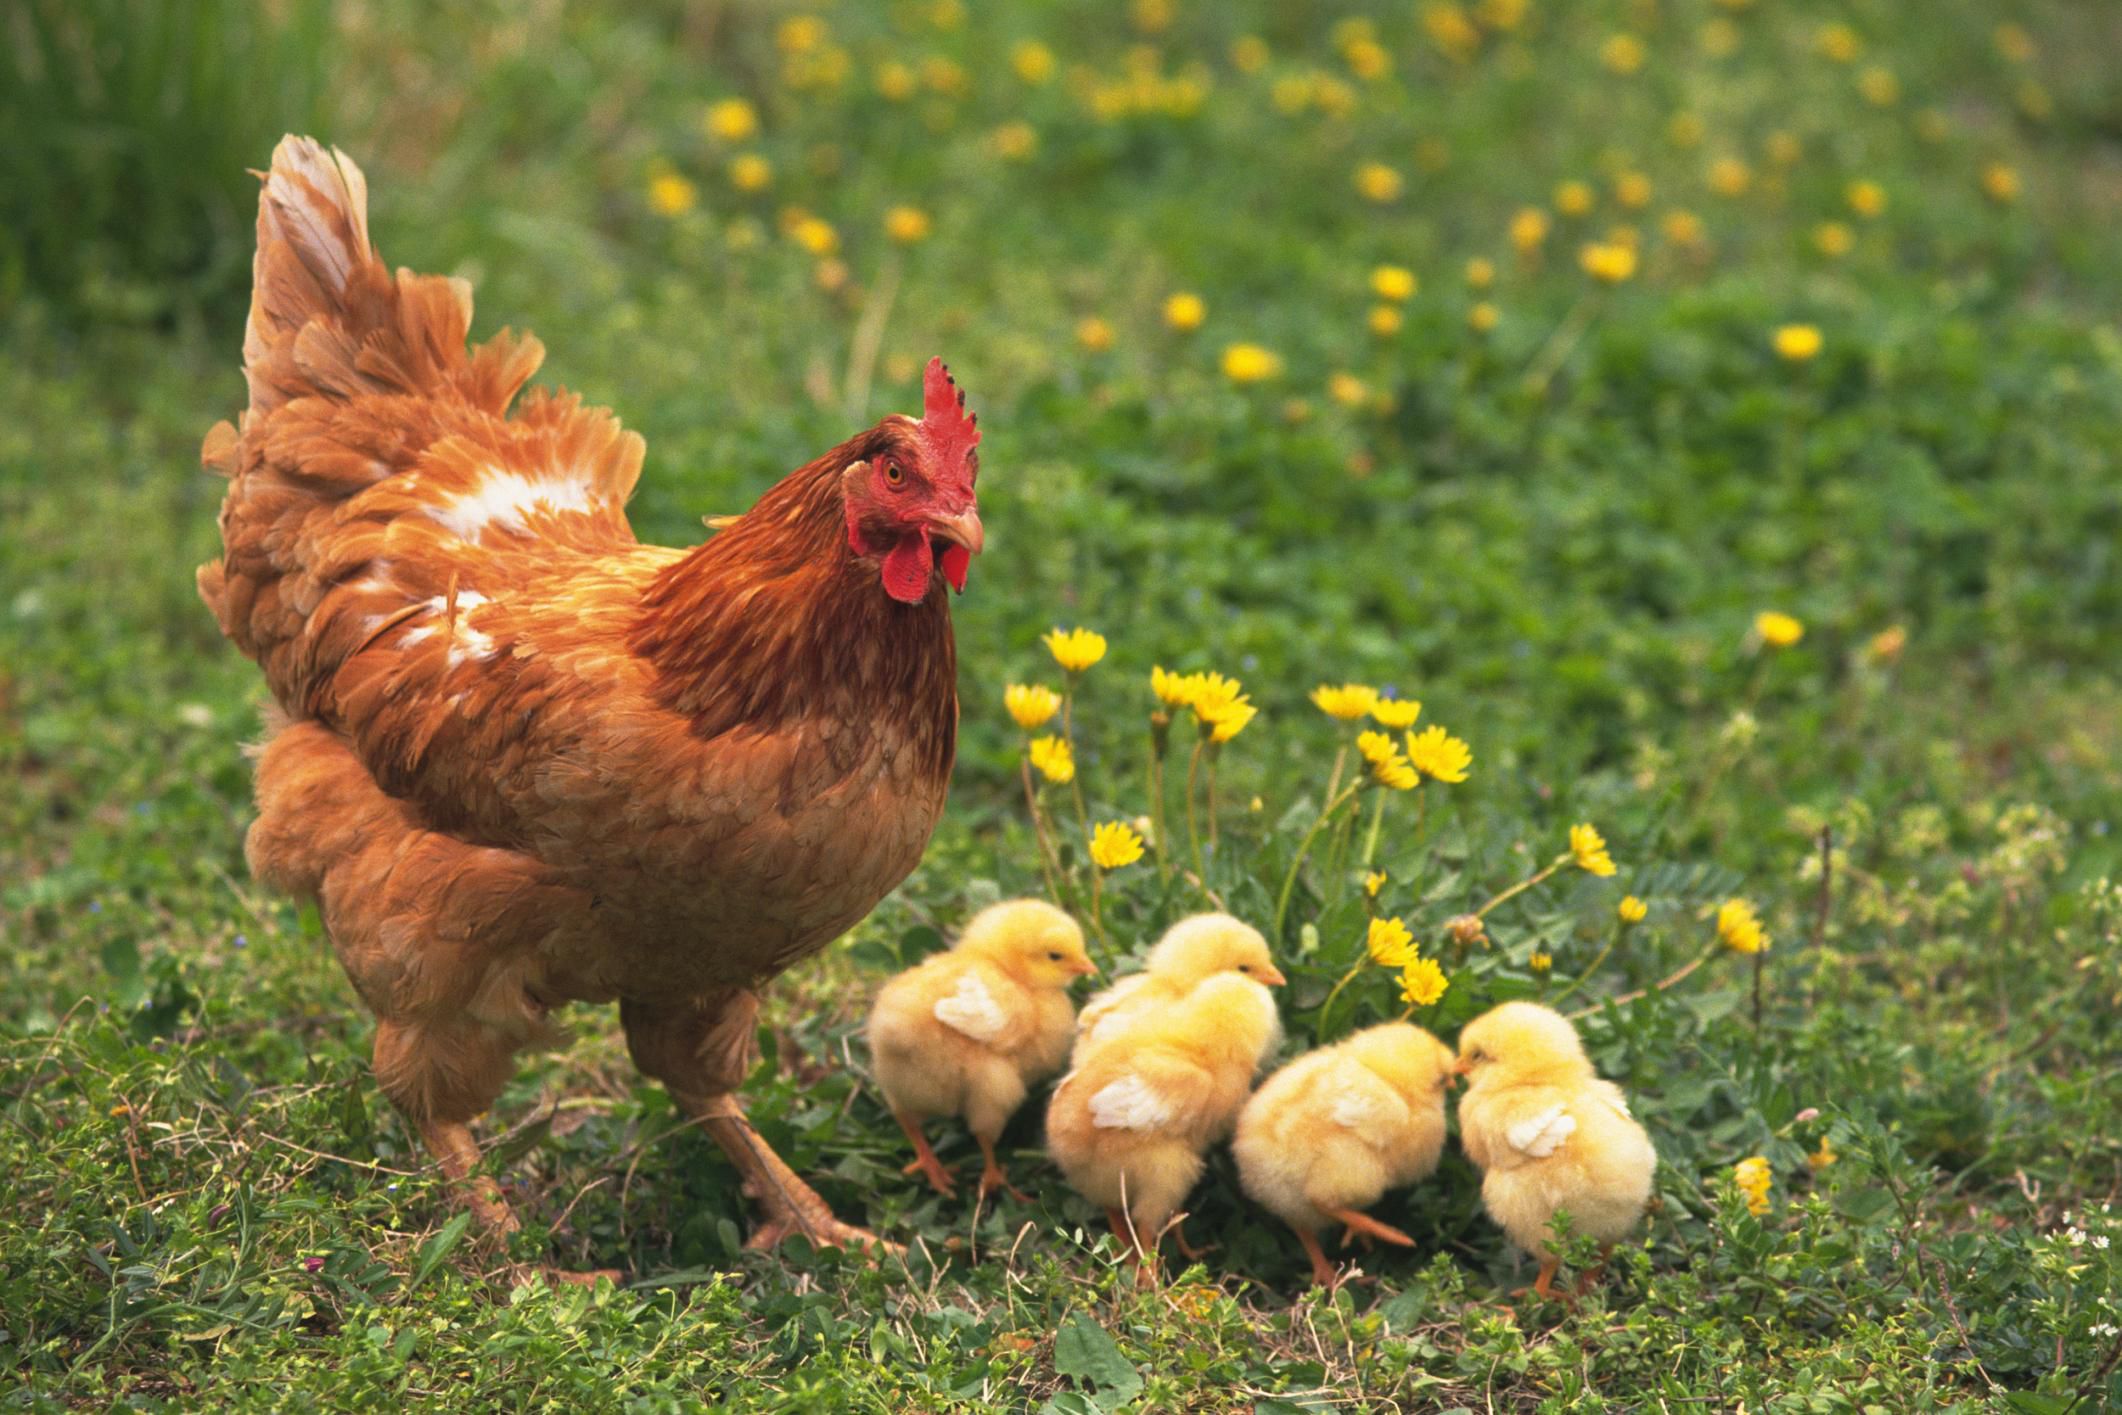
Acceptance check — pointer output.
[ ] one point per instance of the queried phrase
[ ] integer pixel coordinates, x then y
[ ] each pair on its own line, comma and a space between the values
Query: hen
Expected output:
521, 759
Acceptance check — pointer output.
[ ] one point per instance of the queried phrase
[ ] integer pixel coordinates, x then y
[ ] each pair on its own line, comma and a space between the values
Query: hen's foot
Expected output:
992, 1177
567, 1277
792, 1207
925, 1162
457, 1152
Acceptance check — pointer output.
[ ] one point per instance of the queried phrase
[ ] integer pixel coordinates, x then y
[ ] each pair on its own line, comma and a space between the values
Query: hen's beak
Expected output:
1273, 976
962, 529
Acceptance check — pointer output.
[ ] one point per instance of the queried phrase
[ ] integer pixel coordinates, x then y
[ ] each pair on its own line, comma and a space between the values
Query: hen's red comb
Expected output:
950, 432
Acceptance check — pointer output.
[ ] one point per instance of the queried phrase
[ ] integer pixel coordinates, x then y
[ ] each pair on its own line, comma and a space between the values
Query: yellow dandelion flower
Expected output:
1348, 702
1053, 759
1482, 317
1385, 321
1379, 183
907, 224
1172, 689
1588, 848
1373, 882
1783, 148
671, 195
1422, 982
1033, 61
749, 172
1396, 713
1730, 177
1451, 31
1633, 190
1777, 629
1541, 961
1632, 910
1480, 272
1824, 1156
1115, 844
1185, 311
1867, 199
1720, 38
1033, 705
1740, 928
1249, 363
1833, 239
800, 34
1347, 389
1753, 1176
1249, 54
1225, 720
1795, 343
1013, 142
896, 82
2000, 183
815, 235
1094, 334
1502, 15
1210, 692
1393, 282
1388, 767
1390, 944
1608, 262
1879, 86
1574, 198
1151, 16
1439, 756
1528, 229
1074, 649
1838, 42
1683, 228
1368, 60
1686, 130
731, 120
1622, 54
2014, 43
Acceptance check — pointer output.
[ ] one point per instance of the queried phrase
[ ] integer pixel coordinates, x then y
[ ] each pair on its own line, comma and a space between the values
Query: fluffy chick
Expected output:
1130, 1124
1191, 951
1548, 1134
1328, 1134
968, 1032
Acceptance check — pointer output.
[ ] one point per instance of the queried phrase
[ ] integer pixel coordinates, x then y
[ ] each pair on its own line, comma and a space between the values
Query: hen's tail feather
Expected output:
366, 408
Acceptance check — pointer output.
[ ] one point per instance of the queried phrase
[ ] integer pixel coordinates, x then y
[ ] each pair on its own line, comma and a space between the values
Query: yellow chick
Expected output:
967, 1032
1548, 1134
1130, 1124
1191, 951
1328, 1134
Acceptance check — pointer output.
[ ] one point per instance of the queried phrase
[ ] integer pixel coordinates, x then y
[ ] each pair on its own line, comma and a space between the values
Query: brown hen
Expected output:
519, 758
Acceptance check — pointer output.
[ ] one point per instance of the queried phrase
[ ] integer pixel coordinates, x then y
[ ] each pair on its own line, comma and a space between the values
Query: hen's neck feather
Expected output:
775, 621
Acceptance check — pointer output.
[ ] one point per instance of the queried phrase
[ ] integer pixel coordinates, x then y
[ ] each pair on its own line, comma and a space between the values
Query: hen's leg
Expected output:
925, 1162
701, 1050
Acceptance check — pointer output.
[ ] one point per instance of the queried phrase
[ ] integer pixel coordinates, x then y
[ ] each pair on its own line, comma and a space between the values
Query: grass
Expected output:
208, 1201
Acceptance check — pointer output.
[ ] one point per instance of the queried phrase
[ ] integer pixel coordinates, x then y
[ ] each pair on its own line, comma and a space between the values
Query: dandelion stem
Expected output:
1213, 836
1346, 978
1370, 840
1156, 809
1520, 887
1193, 825
1068, 733
1671, 980
1048, 864
1097, 923
1562, 343
1592, 967
1289, 881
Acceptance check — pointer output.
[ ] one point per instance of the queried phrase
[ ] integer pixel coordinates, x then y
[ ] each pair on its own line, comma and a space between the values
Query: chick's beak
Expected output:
1272, 976
1083, 968
961, 529
1462, 1068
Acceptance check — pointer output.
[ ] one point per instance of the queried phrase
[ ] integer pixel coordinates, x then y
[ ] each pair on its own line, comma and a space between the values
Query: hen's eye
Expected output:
893, 476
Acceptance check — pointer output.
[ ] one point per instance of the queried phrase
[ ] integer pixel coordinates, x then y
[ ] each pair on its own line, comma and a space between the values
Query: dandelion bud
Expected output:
1160, 733
1466, 930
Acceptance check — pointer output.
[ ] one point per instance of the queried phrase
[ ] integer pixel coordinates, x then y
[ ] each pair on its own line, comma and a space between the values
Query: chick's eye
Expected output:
1245, 967
1053, 956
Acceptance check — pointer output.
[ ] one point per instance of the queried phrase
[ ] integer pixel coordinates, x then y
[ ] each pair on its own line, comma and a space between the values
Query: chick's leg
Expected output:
1362, 1225
992, 1176
1324, 1273
925, 1162
701, 1050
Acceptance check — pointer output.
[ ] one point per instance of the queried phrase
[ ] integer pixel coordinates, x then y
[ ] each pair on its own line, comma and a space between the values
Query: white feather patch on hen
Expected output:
503, 499
972, 1009
1541, 1135
1129, 1104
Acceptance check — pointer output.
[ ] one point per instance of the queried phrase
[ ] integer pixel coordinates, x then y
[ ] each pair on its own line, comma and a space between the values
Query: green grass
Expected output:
209, 1203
